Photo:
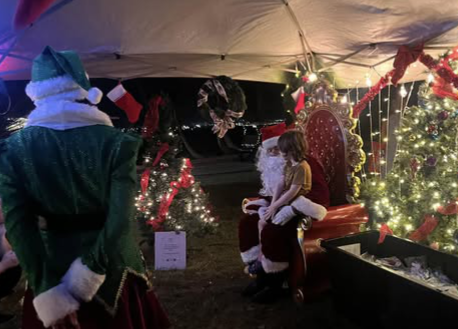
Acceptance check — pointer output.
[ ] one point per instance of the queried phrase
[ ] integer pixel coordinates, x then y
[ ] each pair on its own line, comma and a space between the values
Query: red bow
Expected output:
384, 230
405, 56
421, 233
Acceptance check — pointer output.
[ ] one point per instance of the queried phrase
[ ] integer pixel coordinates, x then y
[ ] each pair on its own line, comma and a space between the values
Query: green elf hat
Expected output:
59, 72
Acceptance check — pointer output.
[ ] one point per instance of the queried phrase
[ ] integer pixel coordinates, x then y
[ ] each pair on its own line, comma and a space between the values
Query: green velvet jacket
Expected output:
87, 170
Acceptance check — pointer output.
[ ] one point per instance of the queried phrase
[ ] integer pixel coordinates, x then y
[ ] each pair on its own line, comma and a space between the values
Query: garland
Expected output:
404, 58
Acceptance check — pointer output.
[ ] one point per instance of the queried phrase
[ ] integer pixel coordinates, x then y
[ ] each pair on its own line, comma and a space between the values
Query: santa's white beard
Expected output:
272, 172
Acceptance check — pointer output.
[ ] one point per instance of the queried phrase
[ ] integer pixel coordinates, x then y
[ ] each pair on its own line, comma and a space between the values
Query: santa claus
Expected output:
266, 247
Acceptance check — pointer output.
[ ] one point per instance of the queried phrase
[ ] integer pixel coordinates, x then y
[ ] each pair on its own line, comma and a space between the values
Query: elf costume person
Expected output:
67, 182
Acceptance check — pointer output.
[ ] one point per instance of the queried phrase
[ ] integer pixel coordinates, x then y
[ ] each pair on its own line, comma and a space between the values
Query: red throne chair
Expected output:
329, 129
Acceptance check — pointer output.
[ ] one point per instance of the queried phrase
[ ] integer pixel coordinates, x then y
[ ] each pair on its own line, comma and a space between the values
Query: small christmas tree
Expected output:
169, 197
418, 197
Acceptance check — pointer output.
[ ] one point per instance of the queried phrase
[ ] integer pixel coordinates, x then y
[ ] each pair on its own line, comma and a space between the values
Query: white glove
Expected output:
284, 216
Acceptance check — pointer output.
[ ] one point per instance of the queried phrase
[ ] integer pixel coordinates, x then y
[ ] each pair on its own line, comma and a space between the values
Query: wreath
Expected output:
221, 100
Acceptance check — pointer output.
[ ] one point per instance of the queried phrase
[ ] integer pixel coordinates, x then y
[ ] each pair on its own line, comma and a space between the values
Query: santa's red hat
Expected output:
271, 134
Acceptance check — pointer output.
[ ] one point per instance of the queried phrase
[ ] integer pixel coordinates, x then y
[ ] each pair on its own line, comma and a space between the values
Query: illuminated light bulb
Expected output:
402, 181
436, 205
382, 184
403, 91
362, 205
344, 100
430, 78
313, 77
368, 82
408, 227
449, 231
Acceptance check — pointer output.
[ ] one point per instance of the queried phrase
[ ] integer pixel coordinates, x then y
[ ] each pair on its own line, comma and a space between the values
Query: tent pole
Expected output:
341, 59
304, 43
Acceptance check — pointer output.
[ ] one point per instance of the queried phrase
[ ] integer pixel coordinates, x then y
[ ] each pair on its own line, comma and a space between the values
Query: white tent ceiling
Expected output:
245, 39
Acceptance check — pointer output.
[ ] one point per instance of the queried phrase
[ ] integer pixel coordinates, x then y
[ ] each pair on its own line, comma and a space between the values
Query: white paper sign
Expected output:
354, 249
170, 250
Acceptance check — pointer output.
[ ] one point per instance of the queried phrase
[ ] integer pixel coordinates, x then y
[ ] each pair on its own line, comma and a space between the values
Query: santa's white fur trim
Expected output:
41, 89
116, 93
258, 202
54, 304
309, 208
273, 267
271, 142
81, 281
64, 114
94, 95
251, 254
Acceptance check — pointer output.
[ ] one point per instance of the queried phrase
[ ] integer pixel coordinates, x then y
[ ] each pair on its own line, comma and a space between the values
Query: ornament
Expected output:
432, 128
412, 138
435, 245
431, 161
443, 115
308, 104
414, 167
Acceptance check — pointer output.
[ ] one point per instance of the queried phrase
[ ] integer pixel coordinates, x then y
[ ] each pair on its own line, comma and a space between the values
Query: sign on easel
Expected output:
170, 250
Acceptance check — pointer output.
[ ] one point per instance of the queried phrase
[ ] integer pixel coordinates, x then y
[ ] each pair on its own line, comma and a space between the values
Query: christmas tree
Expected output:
169, 197
417, 199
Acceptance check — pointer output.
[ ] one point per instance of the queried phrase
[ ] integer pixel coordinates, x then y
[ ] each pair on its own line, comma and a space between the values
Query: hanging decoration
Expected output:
125, 101
221, 100
404, 58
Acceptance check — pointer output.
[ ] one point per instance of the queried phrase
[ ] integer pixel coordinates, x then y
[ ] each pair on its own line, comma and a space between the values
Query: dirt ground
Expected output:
207, 293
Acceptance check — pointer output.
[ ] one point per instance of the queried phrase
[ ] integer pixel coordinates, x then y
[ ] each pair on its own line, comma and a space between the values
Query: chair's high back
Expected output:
328, 127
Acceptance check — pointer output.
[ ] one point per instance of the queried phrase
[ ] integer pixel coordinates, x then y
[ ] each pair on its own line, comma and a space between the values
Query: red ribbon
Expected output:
405, 56
421, 233
144, 181
450, 209
443, 89
164, 148
384, 231
151, 121
185, 181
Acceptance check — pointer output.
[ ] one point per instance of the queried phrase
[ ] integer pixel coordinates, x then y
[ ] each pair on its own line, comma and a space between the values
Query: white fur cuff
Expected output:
81, 281
251, 254
259, 202
116, 93
309, 208
270, 143
273, 267
54, 304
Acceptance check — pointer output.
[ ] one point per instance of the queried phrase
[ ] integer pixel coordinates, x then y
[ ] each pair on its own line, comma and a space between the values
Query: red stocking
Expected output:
124, 100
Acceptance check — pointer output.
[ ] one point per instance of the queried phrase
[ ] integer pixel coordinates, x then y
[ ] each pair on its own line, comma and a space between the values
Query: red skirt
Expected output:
137, 309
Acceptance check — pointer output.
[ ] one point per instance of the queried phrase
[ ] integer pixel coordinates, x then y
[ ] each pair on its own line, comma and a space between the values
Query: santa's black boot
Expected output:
256, 285
273, 290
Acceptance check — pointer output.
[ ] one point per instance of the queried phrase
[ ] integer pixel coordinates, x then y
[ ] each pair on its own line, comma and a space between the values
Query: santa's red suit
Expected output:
273, 247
